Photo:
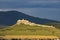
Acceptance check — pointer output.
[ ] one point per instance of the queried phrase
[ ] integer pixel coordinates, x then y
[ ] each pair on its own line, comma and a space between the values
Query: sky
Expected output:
48, 9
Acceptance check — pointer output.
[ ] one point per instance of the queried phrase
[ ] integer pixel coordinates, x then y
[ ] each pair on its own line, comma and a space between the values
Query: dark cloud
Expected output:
29, 3
40, 8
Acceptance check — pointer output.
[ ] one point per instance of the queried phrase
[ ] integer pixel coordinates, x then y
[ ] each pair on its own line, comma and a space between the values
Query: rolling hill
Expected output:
8, 18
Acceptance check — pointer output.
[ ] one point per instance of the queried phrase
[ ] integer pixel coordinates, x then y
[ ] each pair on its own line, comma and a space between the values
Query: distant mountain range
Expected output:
10, 18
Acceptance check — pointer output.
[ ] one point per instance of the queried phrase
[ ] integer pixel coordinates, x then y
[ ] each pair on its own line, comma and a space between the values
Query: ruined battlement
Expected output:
26, 22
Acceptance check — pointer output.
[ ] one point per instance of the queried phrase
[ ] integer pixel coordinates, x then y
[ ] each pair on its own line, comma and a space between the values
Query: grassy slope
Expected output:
29, 30
57, 25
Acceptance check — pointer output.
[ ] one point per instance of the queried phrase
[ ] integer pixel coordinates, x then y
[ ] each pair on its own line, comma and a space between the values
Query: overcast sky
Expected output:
49, 9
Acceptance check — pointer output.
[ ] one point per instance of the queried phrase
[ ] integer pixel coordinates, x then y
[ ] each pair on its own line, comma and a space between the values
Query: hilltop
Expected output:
24, 28
26, 22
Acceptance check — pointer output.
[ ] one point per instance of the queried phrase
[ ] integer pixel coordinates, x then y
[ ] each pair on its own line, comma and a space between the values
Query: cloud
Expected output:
29, 0
29, 3
40, 8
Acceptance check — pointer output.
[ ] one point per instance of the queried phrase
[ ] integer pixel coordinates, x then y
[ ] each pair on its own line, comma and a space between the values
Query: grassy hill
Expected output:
29, 30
